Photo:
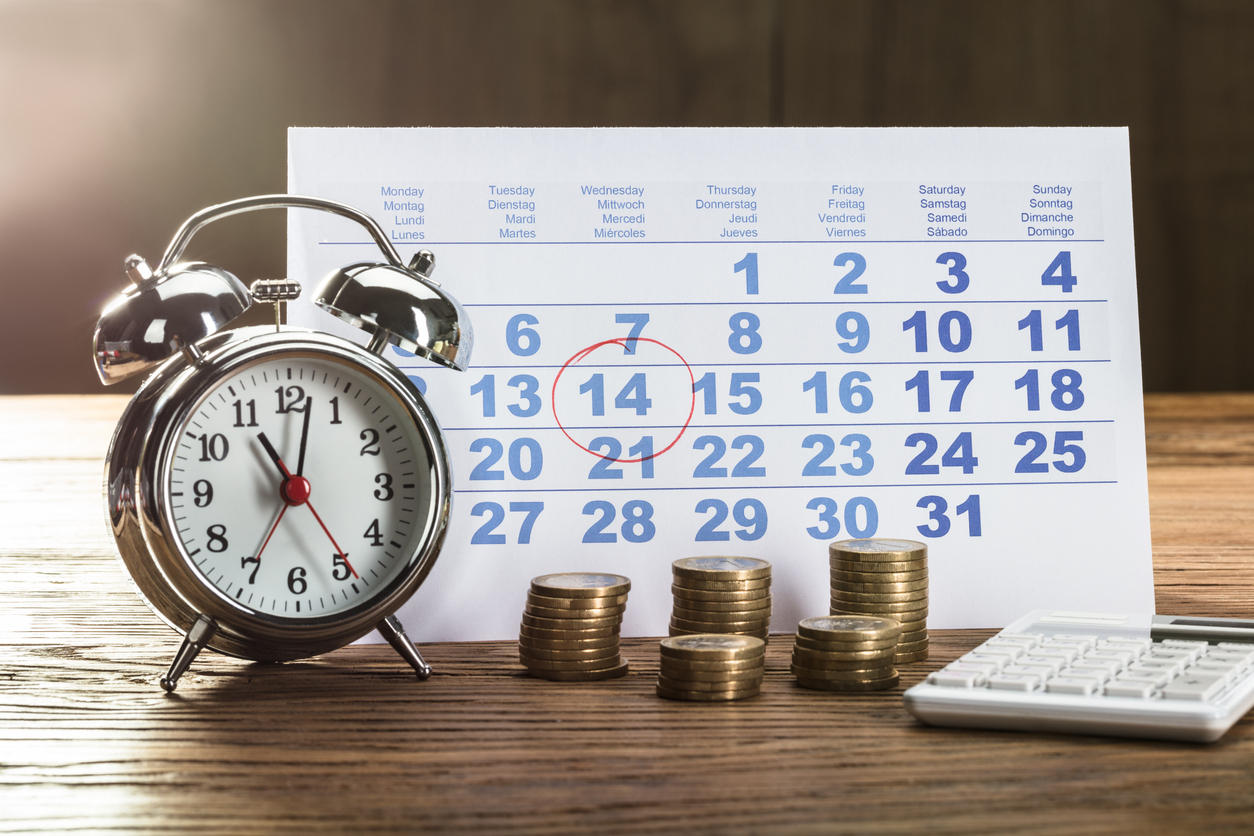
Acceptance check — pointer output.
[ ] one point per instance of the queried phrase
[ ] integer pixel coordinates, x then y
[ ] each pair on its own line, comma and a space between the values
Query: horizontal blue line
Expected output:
850, 302
638, 428
738, 242
746, 364
594, 487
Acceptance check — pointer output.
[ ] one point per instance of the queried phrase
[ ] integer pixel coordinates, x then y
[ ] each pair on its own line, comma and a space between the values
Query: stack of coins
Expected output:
711, 667
846, 653
570, 628
885, 578
721, 595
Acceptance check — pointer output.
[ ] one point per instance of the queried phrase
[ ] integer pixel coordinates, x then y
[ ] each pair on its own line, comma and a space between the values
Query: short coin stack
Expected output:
711, 668
721, 595
846, 653
885, 578
570, 628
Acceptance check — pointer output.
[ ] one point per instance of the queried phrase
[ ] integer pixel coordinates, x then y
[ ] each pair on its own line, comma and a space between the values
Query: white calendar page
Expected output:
756, 341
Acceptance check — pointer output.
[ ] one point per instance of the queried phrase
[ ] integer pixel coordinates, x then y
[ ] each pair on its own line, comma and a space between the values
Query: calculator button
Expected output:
1172, 654
978, 658
1008, 649
1118, 657
1071, 685
949, 678
1013, 682
986, 668
1213, 666
1194, 687
1030, 639
1087, 642
1130, 688
1187, 644
1171, 667
1126, 643
1242, 647
1241, 660
1076, 672
1065, 654
1157, 678
1053, 663
1110, 669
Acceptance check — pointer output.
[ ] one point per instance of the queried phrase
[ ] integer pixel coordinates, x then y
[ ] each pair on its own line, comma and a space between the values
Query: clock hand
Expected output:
274, 456
273, 528
338, 550
304, 436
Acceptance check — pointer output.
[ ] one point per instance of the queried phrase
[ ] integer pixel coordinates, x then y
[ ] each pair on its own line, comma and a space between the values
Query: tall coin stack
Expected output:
721, 595
711, 667
885, 578
570, 627
846, 653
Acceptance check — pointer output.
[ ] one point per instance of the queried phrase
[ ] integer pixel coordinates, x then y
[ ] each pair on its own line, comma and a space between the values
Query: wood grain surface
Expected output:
348, 742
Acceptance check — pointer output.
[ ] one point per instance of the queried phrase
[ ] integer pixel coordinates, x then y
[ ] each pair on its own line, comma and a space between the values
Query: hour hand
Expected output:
274, 456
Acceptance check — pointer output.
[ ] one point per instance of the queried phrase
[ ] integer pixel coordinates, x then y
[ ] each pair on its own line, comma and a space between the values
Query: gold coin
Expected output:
567, 644
600, 612
824, 659
706, 696
549, 655
839, 685
913, 636
844, 647
879, 597
712, 647
877, 549
581, 585
569, 664
865, 674
919, 626
878, 577
724, 606
614, 672
721, 568
914, 610
762, 634
907, 658
881, 588
690, 594
685, 675
885, 566
712, 687
721, 586
568, 624
801, 659
567, 634
912, 648
719, 626
718, 617
714, 665
848, 628
535, 600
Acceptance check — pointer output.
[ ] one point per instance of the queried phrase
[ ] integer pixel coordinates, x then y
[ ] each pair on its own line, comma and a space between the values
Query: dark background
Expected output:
118, 119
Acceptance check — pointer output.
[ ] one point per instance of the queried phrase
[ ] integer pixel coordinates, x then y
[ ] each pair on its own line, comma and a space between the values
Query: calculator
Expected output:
1151, 676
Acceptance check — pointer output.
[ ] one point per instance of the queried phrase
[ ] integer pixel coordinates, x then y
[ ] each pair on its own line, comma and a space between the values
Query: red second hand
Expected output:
338, 550
273, 528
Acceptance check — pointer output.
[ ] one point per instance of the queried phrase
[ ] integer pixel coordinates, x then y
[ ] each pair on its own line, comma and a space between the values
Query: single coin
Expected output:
581, 585
711, 648
600, 612
570, 624
764, 634
907, 658
848, 628
533, 599
881, 587
919, 626
569, 664
685, 675
821, 659
712, 687
914, 610
689, 594
844, 647
714, 665
614, 672
719, 626
878, 597
717, 617
706, 696
865, 674
721, 568
567, 644
878, 577
528, 655
838, 569
724, 606
838, 685
877, 549
721, 586
913, 636
568, 634
913, 647
802, 660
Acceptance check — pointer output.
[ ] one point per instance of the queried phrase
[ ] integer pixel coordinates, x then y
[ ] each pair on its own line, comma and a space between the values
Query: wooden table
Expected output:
350, 742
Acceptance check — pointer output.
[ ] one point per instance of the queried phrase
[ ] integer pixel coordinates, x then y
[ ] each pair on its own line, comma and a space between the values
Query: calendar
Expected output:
757, 341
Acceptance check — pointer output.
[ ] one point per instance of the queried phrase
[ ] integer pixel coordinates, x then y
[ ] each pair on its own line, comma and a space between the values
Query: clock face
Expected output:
300, 487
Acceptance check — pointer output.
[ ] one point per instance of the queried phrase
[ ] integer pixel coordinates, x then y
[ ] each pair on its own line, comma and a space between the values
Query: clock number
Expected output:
291, 399
296, 580
384, 492
371, 437
204, 493
335, 410
256, 561
846, 283
239, 414
213, 448
338, 562
373, 534
217, 538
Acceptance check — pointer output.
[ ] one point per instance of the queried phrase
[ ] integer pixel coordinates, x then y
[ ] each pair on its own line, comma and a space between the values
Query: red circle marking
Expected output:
579, 357
296, 490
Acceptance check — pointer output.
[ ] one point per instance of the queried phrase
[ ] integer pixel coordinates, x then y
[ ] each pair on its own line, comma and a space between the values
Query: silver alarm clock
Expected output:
275, 492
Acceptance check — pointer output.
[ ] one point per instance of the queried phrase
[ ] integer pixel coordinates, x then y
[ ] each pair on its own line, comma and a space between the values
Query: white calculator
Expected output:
1157, 676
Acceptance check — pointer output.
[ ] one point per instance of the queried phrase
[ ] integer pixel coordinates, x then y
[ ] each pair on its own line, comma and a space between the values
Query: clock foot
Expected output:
390, 628
197, 637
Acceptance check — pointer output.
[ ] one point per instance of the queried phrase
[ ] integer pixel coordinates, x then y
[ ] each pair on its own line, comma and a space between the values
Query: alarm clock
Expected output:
273, 492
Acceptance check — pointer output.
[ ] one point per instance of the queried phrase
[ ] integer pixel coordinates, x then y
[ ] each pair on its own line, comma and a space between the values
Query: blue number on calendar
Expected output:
1059, 272
747, 399
855, 329
1070, 320
830, 526
860, 444
961, 281
637, 322
705, 469
920, 383
521, 340
484, 535
1066, 396
959, 454
484, 471
525, 383
1063, 447
634, 395
847, 281
603, 469
944, 331
818, 384
854, 397
753, 524
749, 266
744, 337
637, 524
941, 524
